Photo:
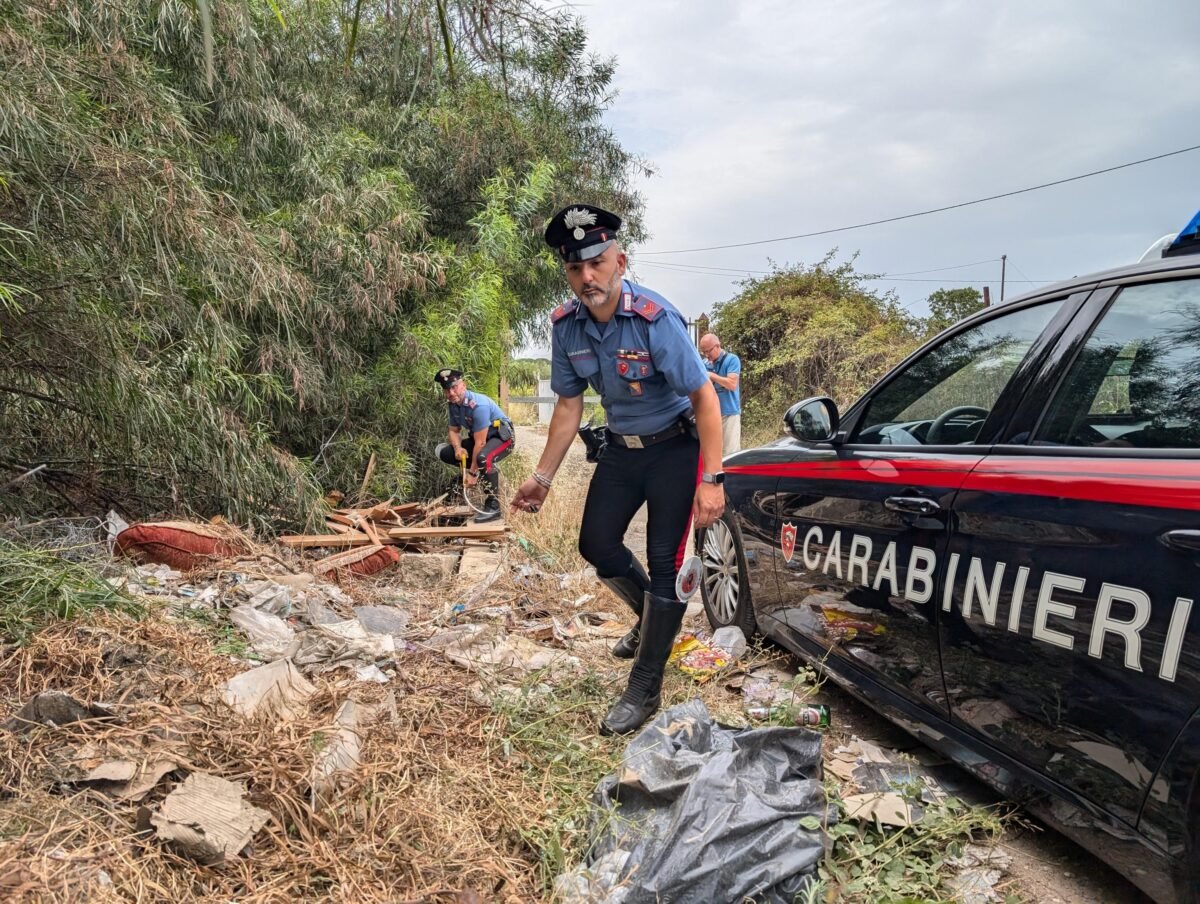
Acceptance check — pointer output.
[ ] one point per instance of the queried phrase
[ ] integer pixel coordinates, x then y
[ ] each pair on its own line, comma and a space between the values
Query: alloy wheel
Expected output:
721, 575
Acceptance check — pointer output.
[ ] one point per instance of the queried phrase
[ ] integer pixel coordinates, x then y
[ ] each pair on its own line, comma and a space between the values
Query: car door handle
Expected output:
1183, 540
912, 505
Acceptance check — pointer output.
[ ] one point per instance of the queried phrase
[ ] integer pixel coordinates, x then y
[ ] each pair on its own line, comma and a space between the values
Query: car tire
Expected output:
725, 587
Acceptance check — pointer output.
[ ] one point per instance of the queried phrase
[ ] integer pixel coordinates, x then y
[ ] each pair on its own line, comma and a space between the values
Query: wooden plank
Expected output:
494, 529
390, 537
305, 541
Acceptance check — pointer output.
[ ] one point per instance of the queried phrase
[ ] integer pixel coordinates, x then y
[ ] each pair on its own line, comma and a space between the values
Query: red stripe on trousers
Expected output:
487, 462
687, 530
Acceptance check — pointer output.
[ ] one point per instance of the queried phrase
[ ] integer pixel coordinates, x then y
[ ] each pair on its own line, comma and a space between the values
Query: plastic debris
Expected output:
492, 652
731, 640
324, 647
697, 657
981, 869
697, 813
269, 690
270, 636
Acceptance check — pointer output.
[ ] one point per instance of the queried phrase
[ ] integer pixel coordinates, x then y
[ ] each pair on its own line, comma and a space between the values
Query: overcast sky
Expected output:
764, 118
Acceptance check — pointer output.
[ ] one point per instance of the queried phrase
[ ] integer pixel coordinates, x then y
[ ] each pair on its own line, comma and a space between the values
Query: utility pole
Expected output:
1003, 265
987, 296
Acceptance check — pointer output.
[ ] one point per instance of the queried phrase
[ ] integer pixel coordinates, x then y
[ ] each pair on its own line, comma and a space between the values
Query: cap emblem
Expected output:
577, 218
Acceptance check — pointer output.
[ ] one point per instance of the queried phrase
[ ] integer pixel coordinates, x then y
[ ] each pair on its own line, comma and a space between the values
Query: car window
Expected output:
944, 397
1136, 382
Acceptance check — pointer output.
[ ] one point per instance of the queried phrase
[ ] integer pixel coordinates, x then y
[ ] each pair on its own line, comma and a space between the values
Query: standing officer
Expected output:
725, 371
489, 436
631, 346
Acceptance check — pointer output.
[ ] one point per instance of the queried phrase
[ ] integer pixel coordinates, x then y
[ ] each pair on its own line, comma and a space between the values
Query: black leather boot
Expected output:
661, 619
630, 587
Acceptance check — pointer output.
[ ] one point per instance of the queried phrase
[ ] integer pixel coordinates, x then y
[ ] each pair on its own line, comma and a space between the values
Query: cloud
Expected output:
771, 118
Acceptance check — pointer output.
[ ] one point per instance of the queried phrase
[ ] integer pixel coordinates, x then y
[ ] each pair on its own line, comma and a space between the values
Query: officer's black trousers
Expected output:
486, 459
664, 477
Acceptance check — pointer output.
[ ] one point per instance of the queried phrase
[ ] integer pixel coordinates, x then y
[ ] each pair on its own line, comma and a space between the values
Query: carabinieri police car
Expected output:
998, 548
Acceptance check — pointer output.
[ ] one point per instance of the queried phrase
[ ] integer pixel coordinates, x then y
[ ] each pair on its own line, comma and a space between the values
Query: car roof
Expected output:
1181, 265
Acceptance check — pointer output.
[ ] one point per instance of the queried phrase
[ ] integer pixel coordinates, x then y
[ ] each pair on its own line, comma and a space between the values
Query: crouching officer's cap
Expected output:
447, 377
580, 232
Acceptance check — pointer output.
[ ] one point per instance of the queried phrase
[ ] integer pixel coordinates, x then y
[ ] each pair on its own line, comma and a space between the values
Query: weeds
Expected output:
901, 865
550, 735
38, 586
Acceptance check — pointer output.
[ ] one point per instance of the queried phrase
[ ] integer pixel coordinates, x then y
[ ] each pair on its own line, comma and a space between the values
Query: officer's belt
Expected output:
640, 442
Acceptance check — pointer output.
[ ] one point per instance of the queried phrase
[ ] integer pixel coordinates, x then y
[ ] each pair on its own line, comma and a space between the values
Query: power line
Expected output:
924, 213
886, 277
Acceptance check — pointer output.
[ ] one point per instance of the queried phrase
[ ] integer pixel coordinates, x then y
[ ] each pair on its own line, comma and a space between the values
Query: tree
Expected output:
223, 295
948, 306
810, 331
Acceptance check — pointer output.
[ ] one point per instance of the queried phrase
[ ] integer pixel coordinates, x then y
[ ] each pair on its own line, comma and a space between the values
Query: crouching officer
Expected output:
631, 346
488, 439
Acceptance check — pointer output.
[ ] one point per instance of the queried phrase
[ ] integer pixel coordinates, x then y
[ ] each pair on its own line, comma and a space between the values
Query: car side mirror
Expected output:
814, 420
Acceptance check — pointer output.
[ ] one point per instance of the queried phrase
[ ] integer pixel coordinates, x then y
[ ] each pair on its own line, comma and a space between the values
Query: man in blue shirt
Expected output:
489, 435
664, 440
725, 371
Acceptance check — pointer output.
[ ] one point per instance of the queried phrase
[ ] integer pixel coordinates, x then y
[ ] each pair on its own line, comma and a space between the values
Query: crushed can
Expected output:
813, 715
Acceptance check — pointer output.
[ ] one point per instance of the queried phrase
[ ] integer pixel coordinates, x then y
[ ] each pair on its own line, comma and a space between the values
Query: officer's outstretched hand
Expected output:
708, 504
530, 496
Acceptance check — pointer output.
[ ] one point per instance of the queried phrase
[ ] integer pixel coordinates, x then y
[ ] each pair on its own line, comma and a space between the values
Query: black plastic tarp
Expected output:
701, 814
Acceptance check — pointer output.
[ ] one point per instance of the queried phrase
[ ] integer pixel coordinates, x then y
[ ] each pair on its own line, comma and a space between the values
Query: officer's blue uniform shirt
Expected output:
731, 399
642, 362
475, 413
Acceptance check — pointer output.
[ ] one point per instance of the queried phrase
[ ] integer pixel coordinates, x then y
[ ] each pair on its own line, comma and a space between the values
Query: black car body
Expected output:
998, 548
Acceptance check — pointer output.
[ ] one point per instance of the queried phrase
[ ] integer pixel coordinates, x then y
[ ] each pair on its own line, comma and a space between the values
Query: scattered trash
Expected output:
696, 656
731, 640
382, 619
981, 869
371, 673
55, 708
325, 647
185, 545
270, 636
339, 757
491, 651
273, 690
208, 819
130, 780
697, 813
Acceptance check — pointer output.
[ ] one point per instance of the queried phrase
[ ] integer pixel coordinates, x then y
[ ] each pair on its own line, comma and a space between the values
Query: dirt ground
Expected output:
1046, 867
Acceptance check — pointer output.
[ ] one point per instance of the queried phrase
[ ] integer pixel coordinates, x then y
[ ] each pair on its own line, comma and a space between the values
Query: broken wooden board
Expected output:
467, 531
392, 535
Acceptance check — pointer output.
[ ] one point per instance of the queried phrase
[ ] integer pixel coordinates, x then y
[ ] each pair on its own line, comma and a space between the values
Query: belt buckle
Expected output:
633, 442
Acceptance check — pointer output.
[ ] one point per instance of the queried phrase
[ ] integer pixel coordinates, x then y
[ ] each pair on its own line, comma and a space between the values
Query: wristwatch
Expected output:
718, 478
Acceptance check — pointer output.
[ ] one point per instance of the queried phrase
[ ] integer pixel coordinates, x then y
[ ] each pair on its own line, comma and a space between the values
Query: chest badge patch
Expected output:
787, 541
644, 369
635, 388
622, 367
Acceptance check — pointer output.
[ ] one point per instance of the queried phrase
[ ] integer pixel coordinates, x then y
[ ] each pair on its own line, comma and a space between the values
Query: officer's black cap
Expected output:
447, 377
580, 232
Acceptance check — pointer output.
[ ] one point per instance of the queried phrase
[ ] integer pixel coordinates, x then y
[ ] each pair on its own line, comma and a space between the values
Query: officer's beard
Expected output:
597, 295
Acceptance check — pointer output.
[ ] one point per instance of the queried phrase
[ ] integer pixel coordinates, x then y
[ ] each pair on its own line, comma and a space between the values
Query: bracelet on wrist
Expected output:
542, 480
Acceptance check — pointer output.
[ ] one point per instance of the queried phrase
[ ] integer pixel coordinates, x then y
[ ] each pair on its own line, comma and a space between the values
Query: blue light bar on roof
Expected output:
1188, 240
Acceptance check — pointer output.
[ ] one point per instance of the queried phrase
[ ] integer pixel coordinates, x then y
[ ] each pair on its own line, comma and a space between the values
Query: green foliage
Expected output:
810, 331
948, 306
882, 865
224, 294
39, 586
523, 374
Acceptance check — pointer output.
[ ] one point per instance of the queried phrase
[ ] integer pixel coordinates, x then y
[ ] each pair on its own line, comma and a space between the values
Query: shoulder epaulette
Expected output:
647, 308
567, 307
